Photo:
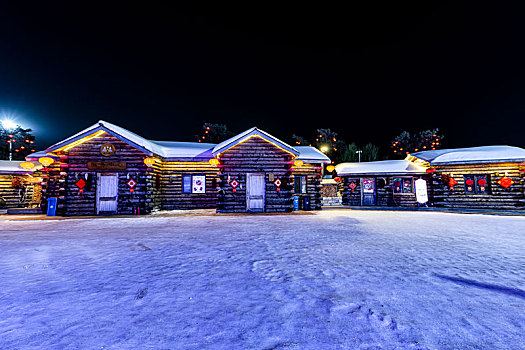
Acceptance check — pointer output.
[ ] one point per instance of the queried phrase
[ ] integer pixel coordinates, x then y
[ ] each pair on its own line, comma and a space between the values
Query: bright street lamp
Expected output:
9, 125
324, 149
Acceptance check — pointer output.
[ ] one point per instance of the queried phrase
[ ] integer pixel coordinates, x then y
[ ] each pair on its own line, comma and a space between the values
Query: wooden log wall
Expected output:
313, 183
385, 195
53, 186
73, 165
14, 197
498, 197
255, 155
171, 184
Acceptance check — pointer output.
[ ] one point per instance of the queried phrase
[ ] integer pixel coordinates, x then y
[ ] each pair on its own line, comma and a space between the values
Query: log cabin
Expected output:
106, 169
20, 184
389, 183
486, 177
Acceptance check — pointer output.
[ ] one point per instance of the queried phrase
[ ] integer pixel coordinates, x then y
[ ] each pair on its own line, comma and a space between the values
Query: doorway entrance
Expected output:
107, 193
368, 194
255, 192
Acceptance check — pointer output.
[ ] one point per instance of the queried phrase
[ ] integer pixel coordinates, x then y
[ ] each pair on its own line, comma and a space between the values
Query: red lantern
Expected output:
337, 179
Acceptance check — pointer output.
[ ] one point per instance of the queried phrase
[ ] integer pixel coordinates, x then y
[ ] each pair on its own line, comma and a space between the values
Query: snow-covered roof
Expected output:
13, 167
195, 150
310, 154
482, 154
173, 151
392, 167
235, 140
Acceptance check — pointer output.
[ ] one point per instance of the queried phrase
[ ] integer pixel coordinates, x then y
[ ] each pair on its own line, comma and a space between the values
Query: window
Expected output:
477, 184
300, 184
186, 183
193, 183
403, 185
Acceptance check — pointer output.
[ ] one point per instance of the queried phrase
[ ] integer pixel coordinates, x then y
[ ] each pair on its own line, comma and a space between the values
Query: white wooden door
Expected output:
255, 191
107, 193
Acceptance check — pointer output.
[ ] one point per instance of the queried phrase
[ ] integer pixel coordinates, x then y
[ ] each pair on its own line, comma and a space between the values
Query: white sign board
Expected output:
421, 191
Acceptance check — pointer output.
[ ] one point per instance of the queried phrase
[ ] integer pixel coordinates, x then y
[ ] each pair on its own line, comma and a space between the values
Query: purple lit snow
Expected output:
331, 280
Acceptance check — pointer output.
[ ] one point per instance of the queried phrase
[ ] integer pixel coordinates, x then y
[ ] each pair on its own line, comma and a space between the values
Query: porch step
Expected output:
22, 211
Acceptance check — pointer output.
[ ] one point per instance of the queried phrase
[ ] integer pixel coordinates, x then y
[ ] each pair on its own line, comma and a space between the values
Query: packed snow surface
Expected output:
333, 280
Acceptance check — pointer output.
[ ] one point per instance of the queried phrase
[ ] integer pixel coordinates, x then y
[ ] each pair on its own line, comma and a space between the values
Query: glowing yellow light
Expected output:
324, 149
330, 168
82, 140
214, 161
27, 165
298, 162
46, 161
149, 161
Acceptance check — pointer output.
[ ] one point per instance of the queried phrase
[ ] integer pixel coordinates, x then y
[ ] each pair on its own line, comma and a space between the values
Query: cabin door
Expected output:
107, 193
255, 192
368, 192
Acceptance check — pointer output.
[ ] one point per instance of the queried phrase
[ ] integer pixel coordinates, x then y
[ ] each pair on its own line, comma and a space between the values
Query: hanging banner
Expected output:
199, 183
421, 191
368, 186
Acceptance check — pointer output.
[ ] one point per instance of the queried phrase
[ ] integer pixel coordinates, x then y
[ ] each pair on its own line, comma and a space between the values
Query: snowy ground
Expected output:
334, 280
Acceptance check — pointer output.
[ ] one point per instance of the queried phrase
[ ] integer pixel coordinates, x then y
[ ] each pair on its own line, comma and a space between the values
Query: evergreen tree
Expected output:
21, 140
214, 133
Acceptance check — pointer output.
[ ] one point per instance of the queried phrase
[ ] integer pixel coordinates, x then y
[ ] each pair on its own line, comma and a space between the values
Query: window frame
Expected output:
476, 187
302, 184
190, 177
402, 187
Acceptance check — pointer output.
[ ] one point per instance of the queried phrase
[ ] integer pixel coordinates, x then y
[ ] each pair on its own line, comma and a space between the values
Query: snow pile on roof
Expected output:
194, 150
13, 167
482, 154
394, 167
311, 154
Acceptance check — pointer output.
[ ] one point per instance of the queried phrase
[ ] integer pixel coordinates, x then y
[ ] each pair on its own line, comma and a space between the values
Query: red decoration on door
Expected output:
505, 182
452, 182
482, 182
352, 186
277, 183
470, 182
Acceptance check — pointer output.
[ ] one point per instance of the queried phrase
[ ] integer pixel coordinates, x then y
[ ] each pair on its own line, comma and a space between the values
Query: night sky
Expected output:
367, 73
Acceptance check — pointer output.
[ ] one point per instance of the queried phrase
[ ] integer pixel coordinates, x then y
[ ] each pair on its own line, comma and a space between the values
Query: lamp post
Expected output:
359, 154
9, 125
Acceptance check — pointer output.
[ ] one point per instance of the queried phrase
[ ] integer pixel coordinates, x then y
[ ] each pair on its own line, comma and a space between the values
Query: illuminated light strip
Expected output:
256, 135
81, 141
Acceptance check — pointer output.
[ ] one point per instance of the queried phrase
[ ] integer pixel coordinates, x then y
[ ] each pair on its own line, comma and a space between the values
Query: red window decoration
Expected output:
505, 182
352, 186
234, 183
452, 182
277, 184
131, 184
337, 179
476, 184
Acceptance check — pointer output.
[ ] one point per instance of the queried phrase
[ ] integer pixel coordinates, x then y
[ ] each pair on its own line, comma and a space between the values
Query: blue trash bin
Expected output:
52, 206
306, 203
296, 203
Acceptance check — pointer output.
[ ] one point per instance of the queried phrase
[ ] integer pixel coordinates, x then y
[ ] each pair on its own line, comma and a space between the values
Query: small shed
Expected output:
381, 183
20, 184
485, 177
